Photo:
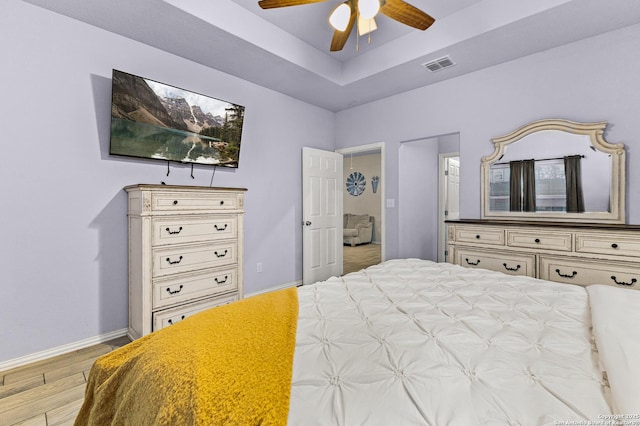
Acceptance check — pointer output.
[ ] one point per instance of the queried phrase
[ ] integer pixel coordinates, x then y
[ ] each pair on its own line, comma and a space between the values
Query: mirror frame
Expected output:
595, 132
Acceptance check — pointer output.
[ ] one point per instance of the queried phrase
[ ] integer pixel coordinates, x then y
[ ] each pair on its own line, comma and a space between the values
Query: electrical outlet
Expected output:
259, 267
391, 203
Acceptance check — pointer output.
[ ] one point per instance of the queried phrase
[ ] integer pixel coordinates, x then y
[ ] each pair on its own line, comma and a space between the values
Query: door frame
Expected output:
442, 189
374, 148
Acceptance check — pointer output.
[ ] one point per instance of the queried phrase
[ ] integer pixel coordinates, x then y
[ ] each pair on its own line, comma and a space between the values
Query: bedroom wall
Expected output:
575, 82
418, 199
64, 236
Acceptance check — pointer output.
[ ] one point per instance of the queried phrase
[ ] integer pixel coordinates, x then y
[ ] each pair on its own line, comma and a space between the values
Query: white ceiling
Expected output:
287, 49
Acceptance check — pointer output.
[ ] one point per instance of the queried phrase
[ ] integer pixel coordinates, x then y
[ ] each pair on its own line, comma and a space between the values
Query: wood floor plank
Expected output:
119, 342
20, 373
39, 420
21, 386
21, 406
64, 414
68, 370
49, 392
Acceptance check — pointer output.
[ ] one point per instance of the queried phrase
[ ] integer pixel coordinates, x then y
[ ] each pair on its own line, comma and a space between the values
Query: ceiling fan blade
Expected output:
269, 4
403, 12
340, 37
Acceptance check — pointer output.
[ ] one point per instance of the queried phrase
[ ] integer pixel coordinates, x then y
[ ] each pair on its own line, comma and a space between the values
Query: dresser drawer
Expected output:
587, 272
540, 240
175, 230
172, 316
180, 289
173, 260
612, 244
509, 263
179, 201
470, 234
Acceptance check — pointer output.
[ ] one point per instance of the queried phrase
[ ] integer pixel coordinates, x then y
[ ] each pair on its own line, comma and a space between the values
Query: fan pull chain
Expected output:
357, 29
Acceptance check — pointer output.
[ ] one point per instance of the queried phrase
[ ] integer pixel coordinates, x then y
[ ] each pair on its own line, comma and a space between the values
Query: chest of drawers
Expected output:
185, 252
574, 254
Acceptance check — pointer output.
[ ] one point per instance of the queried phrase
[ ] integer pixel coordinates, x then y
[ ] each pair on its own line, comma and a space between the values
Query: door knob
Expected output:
307, 223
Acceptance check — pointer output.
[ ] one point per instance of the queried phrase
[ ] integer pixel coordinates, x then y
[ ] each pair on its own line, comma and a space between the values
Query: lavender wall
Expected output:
64, 230
575, 82
418, 199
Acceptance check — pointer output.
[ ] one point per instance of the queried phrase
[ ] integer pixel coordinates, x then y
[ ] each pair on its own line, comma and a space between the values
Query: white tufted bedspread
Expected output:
413, 342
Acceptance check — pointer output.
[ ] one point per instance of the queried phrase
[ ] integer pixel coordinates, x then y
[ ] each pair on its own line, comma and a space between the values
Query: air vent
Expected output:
438, 64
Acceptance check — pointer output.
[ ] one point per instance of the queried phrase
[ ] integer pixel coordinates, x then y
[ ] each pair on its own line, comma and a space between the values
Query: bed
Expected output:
405, 342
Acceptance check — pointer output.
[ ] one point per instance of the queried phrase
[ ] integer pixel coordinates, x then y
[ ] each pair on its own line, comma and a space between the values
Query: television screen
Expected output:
162, 122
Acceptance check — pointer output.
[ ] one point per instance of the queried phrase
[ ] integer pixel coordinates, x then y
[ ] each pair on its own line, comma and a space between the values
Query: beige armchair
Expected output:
358, 229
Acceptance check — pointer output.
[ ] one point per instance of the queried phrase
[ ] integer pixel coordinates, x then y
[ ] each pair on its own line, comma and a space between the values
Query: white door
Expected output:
321, 215
453, 189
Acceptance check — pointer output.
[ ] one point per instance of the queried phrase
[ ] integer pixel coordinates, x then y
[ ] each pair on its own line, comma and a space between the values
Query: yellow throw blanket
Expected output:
228, 365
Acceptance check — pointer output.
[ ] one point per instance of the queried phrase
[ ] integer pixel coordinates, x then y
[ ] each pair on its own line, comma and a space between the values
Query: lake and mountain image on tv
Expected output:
162, 122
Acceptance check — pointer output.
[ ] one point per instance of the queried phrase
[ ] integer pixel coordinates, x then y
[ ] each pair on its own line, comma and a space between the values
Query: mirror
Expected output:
555, 170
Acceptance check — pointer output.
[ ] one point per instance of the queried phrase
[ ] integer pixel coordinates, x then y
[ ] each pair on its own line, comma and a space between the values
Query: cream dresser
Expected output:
185, 252
581, 254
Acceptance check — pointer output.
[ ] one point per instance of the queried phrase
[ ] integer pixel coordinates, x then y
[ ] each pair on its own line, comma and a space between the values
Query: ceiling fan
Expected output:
344, 17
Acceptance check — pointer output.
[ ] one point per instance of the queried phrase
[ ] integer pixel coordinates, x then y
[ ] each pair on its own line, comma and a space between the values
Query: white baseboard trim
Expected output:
270, 289
61, 350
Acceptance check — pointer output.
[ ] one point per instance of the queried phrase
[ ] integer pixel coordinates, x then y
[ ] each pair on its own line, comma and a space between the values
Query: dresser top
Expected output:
524, 223
155, 187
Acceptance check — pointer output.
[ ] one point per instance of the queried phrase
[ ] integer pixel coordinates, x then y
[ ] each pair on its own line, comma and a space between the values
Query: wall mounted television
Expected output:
157, 121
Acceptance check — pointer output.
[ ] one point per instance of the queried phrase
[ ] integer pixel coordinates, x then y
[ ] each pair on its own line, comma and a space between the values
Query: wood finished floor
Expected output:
359, 257
49, 392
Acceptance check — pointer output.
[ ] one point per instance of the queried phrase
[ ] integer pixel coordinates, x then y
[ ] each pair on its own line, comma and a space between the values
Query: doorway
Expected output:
448, 197
363, 199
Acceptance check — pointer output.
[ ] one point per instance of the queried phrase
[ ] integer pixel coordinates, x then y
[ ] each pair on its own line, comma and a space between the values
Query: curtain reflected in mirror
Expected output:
573, 176
554, 170
555, 183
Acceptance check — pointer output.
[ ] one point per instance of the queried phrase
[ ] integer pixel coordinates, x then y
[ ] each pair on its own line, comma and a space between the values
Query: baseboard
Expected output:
270, 289
61, 350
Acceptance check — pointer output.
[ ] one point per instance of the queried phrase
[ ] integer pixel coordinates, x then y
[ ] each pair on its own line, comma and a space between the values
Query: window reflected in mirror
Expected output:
555, 170
550, 187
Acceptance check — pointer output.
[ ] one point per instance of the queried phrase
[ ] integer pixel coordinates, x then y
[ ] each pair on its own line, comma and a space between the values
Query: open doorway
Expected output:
448, 197
363, 180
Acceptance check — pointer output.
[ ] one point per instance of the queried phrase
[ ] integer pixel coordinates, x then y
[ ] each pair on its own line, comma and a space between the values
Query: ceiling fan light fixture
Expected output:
365, 26
339, 18
367, 9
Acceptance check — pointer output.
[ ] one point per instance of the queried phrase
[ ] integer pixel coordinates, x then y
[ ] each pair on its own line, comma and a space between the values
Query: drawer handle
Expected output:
170, 321
566, 275
226, 278
220, 229
174, 291
471, 263
633, 281
221, 255
175, 202
174, 262
478, 237
511, 269
173, 232
221, 202
537, 240
614, 246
